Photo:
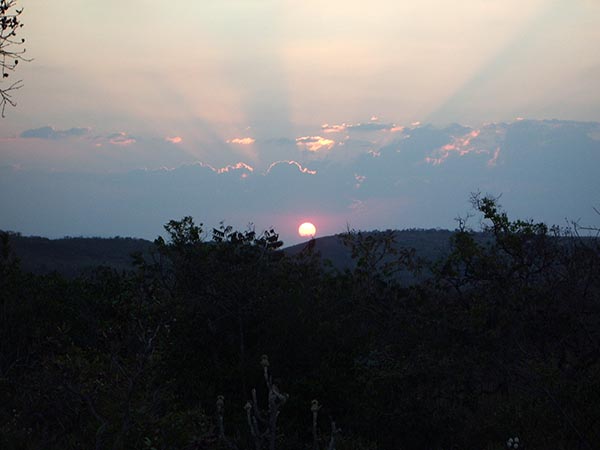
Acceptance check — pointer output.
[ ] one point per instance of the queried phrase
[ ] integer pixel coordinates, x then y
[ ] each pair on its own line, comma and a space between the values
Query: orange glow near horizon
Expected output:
307, 229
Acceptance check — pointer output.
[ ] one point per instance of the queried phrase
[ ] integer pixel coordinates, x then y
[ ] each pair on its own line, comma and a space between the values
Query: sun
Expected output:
307, 229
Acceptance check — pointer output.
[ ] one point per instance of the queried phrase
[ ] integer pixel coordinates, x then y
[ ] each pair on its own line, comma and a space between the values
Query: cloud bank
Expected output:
48, 132
421, 176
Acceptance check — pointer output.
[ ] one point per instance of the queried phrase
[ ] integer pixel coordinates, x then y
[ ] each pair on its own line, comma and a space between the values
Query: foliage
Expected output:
10, 49
501, 341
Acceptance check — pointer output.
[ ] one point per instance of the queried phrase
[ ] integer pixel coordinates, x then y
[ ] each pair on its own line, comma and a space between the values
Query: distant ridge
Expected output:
74, 256
429, 245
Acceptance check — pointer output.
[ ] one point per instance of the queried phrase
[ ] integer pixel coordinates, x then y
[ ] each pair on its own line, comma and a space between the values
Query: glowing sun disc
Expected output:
307, 229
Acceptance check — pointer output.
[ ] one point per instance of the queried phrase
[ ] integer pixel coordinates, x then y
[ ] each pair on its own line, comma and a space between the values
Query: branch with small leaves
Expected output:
11, 50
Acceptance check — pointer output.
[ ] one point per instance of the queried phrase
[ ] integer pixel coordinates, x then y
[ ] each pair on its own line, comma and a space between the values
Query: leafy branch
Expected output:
11, 50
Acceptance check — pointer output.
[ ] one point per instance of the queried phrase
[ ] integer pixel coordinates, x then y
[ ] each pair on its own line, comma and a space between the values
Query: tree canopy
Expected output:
499, 344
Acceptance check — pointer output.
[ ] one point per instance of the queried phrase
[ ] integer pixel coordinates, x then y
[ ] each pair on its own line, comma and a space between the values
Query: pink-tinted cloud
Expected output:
174, 139
494, 160
226, 169
242, 141
333, 128
121, 139
360, 179
372, 126
460, 146
238, 166
314, 143
292, 163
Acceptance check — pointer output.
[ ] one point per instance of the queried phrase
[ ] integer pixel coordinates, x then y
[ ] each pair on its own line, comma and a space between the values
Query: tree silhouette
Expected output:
11, 50
499, 347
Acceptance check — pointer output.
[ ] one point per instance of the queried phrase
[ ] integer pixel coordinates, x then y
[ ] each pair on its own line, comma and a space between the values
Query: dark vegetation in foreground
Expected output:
501, 341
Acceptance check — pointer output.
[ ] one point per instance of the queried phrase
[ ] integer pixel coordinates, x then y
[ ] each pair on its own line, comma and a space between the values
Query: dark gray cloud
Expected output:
52, 133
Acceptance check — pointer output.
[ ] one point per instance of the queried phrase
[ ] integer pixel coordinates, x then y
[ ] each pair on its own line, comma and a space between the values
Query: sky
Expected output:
293, 98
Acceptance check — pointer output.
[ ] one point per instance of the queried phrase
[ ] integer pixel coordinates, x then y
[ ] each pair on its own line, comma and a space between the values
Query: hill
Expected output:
72, 256
429, 245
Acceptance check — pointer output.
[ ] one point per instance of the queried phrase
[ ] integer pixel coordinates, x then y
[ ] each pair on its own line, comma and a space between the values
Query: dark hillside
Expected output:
429, 245
72, 256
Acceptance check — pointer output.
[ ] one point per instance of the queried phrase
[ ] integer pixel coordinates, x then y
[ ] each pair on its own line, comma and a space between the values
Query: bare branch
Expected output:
11, 50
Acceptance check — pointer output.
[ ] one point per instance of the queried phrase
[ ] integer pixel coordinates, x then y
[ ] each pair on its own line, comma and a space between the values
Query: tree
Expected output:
11, 50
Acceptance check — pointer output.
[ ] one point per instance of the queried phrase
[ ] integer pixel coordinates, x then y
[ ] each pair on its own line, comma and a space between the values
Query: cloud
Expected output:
360, 179
396, 189
333, 128
221, 170
357, 205
174, 139
494, 160
314, 143
371, 126
460, 146
238, 166
594, 132
291, 163
374, 125
118, 139
51, 133
121, 139
242, 141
